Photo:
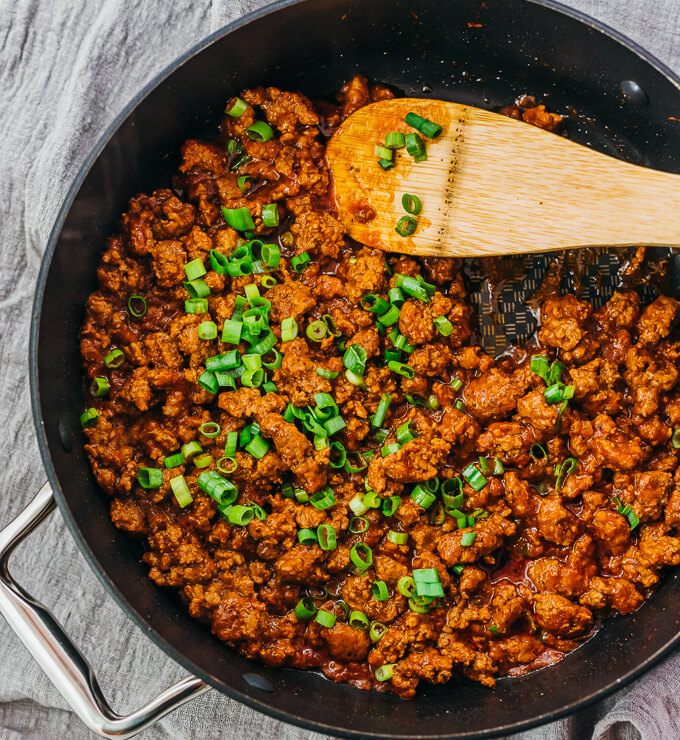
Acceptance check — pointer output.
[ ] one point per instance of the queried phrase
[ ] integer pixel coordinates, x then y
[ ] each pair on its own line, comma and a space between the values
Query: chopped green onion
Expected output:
325, 619
353, 378
430, 129
150, 477
401, 369
411, 204
242, 181
289, 329
237, 108
389, 318
379, 591
422, 496
386, 164
675, 439
540, 366
233, 464
390, 449
241, 515
358, 620
397, 538
239, 162
406, 226
181, 491
390, 505
337, 455
406, 586
99, 387
474, 477
375, 304
395, 140
357, 505
197, 288
415, 146
305, 608
270, 215
415, 287
209, 382
196, 305
358, 524
326, 536
361, 555
537, 452
428, 583
238, 218
334, 425
89, 417
323, 500
354, 359
202, 461
231, 331
275, 362
396, 296
223, 361
137, 305
257, 447
382, 152
210, 429
307, 537
218, 262
260, 131
207, 330
377, 631
329, 374
443, 326
300, 261
555, 374
191, 449
558, 392
173, 461
468, 538
115, 358
194, 269
379, 417
404, 433
271, 256
317, 330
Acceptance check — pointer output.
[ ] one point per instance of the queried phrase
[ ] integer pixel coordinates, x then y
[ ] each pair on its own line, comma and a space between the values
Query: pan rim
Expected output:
83, 545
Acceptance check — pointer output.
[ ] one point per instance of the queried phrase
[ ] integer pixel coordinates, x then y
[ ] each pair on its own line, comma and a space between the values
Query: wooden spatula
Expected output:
492, 185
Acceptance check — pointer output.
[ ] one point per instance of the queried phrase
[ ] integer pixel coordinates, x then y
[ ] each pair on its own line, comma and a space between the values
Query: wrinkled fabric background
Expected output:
67, 67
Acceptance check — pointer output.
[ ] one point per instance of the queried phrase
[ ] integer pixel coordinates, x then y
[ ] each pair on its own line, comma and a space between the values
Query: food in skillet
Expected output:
321, 459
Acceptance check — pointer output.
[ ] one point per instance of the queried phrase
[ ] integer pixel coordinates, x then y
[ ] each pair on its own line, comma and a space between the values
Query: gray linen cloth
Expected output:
67, 67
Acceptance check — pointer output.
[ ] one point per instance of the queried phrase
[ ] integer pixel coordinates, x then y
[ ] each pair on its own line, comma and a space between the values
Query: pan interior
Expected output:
481, 53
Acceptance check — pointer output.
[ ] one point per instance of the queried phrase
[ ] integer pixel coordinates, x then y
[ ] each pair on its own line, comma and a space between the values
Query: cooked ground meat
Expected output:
465, 479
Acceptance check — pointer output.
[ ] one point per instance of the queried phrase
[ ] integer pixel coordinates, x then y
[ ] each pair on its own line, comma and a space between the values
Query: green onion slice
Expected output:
237, 108
305, 608
137, 305
411, 204
406, 226
180, 489
150, 477
380, 591
361, 555
115, 358
238, 218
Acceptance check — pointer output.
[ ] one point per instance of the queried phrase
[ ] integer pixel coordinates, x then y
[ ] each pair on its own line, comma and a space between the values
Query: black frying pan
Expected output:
482, 53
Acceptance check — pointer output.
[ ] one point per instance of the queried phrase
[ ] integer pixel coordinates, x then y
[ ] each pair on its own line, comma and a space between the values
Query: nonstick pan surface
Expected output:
482, 53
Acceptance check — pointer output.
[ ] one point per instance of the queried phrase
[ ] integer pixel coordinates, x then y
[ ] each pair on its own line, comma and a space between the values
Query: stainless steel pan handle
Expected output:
59, 658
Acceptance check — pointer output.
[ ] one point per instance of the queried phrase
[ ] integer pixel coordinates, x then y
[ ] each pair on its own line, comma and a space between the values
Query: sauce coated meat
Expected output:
528, 549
